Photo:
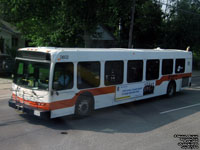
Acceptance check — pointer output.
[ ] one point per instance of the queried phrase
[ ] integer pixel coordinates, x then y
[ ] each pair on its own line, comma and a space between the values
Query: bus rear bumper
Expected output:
29, 110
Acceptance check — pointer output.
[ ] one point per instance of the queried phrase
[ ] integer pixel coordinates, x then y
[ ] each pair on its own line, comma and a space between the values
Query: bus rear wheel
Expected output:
171, 89
83, 106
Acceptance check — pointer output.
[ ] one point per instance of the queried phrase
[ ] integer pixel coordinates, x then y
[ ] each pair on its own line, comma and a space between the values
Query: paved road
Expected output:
144, 125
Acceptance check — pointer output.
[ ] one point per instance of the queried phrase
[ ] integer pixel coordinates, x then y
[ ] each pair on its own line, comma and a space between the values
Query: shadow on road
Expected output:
135, 117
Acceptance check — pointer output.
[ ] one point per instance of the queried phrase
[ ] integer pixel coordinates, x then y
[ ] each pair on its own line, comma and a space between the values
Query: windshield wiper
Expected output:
34, 93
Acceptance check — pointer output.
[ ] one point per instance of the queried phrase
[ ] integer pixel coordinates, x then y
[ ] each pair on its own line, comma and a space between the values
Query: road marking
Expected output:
168, 111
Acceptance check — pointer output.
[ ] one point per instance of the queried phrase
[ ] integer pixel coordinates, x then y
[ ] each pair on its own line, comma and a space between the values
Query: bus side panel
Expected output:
178, 84
62, 112
188, 65
61, 103
104, 100
135, 99
62, 95
161, 89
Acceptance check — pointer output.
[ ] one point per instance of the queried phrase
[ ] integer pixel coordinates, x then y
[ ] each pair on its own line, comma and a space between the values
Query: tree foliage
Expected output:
49, 22
66, 22
148, 24
182, 28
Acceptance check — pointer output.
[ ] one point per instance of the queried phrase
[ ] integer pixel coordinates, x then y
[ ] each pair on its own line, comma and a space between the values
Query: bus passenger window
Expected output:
113, 72
167, 66
88, 75
152, 69
63, 76
180, 66
135, 71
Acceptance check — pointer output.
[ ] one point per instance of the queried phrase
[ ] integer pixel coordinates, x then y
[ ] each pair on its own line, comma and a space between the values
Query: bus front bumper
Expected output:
29, 110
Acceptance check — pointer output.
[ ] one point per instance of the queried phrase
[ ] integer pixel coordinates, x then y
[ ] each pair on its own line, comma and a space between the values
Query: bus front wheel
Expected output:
83, 106
171, 89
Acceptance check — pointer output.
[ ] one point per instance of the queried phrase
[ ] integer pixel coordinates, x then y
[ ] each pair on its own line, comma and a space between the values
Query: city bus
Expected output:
54, 82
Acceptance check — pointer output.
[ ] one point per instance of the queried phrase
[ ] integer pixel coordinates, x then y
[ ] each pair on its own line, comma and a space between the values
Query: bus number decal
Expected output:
64, 57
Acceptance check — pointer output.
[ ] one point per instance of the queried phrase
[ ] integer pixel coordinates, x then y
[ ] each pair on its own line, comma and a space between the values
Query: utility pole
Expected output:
120, 28
131, 25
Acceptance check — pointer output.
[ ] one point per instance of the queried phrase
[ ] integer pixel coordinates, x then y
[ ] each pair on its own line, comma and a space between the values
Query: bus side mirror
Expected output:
52, 93
55, 86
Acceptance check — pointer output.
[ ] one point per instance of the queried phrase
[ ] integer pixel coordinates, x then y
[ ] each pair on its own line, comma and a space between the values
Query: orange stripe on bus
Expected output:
64, 103
71, 102
172, 77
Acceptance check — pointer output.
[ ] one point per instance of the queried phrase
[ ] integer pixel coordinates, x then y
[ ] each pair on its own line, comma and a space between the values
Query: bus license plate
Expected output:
36, 113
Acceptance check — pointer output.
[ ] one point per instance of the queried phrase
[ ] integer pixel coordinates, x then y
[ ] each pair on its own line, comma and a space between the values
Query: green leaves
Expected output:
182, 28
64, 22
51, 23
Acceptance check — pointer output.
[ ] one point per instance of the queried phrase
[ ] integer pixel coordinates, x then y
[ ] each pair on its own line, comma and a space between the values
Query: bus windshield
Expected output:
30, 74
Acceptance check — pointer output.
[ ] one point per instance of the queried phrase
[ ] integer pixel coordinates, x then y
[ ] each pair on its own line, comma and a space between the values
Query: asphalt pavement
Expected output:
196, 73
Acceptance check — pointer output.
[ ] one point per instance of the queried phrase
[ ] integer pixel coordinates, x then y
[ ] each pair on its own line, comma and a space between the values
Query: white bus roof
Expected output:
92, 54
57, 49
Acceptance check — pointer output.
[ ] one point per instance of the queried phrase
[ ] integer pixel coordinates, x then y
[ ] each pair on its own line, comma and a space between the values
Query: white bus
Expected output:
54, 82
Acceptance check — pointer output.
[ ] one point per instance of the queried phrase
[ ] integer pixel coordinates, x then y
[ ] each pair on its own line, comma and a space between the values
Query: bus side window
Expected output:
135, 71
152, 69
113, 72
180, 66
88, 75
63, 76
167, 66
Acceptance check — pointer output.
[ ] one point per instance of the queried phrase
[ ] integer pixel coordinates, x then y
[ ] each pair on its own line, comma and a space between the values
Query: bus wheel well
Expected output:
84, 104
171, 88
89, 95
173, 82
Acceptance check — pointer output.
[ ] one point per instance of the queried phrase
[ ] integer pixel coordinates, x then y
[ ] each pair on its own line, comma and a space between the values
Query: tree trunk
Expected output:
131, 25
87, 39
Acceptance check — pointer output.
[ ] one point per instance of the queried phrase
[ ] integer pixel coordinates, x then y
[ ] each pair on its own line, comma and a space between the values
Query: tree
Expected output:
182, 27
148, 22
66, 22
52, 23
131, 24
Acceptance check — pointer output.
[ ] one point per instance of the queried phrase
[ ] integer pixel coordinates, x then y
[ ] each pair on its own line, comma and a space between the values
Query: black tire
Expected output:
171, 89
84, 106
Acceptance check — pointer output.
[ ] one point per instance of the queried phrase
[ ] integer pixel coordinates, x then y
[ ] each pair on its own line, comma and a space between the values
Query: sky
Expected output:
165, 2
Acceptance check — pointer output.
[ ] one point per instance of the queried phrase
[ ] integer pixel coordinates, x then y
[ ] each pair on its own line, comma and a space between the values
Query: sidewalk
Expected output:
5, 88
5, 81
